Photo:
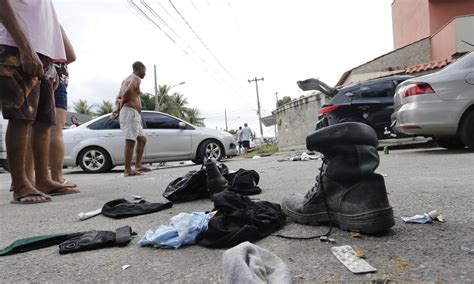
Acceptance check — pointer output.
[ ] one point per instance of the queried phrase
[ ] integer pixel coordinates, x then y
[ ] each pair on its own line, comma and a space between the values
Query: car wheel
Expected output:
450, 142
467, 131
95, 160
209, 149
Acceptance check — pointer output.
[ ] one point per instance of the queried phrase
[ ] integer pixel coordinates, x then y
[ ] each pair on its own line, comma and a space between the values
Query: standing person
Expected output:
239, 142
30, 39
245, 136
56, 157
75, 122
129, 108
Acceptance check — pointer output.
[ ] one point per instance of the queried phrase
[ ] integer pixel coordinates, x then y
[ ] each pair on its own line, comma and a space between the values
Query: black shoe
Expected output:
347, 192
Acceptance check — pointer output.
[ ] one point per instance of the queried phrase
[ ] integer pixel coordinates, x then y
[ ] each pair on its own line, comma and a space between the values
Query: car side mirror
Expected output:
182, 125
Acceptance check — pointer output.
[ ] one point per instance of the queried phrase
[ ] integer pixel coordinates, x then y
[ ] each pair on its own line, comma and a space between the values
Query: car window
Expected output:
378, 90
111, 123
97, 124
160, 121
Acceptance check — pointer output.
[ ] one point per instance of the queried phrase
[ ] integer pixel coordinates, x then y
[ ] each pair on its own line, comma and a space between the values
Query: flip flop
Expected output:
132, 173
19, 199
65, 183
144, 170
62, 191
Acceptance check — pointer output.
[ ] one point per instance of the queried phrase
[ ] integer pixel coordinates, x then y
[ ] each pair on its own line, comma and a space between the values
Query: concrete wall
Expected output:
464, 31
442, 11
443, 43
410, 21
296, 120
416, 53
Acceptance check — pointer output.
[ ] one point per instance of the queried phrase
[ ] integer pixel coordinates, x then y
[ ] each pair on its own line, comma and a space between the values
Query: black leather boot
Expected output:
347, 191
215, 181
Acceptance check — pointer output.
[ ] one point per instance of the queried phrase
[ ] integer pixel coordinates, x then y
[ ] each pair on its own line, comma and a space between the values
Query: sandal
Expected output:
143, 170
132, 173
19, 200
68, 183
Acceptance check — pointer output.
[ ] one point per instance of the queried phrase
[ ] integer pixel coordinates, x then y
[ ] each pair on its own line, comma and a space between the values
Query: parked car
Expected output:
439, 105
369, 102
98, 145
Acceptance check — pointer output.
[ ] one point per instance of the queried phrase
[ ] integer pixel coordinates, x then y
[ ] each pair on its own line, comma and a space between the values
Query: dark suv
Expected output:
369, 102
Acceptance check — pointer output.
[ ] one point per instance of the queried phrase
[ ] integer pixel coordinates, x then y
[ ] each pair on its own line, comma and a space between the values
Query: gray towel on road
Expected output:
248, 263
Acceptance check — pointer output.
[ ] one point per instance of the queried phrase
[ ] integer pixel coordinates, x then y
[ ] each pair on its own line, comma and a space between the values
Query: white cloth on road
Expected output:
131, 123
248, 263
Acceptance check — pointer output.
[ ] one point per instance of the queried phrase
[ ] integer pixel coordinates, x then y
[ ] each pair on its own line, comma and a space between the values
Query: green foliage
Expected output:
105, 107
192, 116
148, 101
176, 105
82, 107
284, 100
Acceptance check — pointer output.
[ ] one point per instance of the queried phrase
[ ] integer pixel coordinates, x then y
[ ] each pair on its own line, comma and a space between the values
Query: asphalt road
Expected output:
418, 181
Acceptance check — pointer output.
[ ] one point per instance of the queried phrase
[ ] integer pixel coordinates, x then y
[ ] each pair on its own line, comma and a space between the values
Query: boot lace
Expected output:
318, 186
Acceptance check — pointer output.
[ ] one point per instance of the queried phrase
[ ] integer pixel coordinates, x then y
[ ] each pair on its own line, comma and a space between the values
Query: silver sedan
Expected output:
98, 145
439, 105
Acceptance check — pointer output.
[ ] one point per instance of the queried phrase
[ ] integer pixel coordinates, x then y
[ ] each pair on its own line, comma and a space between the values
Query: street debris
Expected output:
326, 239
401, 263
86, 215
469, 248
359, 252
349, 258
256, 157
425, 218
301, 157
126, 266
136, 197
356, 235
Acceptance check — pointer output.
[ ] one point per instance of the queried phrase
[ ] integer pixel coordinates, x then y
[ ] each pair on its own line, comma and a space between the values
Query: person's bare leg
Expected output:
141, 142
17, 141
29, 160
40, 144
129, 145
56, 146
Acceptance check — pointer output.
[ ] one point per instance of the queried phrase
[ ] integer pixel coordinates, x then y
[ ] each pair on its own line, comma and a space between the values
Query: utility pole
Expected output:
157, 102
258, 103
225, 113
276, 98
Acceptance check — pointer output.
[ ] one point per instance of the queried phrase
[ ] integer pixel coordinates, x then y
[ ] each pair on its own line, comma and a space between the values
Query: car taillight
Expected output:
327, 109
417, 89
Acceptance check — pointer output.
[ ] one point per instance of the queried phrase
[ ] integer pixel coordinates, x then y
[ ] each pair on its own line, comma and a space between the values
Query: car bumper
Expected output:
432, 117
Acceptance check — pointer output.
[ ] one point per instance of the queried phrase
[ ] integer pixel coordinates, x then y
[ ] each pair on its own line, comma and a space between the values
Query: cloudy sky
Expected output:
215, 46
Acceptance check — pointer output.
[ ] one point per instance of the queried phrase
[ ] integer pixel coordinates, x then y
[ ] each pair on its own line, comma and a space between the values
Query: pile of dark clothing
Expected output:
210, 179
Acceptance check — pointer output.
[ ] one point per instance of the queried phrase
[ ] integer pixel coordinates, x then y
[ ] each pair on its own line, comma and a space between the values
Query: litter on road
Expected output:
349, 258
425, 218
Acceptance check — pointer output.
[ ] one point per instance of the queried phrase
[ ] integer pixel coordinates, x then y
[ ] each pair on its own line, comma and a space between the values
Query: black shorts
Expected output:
246, 144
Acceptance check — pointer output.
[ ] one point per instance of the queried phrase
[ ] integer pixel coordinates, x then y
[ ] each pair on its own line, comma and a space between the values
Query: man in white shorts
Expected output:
128, 108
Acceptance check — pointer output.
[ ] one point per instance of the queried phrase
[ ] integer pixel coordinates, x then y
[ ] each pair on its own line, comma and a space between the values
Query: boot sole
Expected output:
368, 223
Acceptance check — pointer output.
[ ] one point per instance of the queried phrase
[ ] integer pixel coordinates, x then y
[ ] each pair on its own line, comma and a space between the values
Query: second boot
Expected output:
347, 191
215, 181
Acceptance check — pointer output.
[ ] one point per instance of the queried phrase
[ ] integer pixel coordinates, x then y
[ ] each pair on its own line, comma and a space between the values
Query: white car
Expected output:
439, 105
98, 145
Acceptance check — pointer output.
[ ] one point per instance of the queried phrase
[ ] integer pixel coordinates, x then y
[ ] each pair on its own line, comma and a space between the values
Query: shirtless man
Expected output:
129, 107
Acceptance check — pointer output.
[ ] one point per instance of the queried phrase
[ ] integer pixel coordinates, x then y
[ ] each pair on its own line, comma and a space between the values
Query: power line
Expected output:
137, 8
204, 44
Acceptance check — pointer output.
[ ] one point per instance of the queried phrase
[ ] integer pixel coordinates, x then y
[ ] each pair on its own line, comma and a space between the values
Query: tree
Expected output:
192, 116
284, 100
105, 107
164, 99
179, 103
82, 107
148, 101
